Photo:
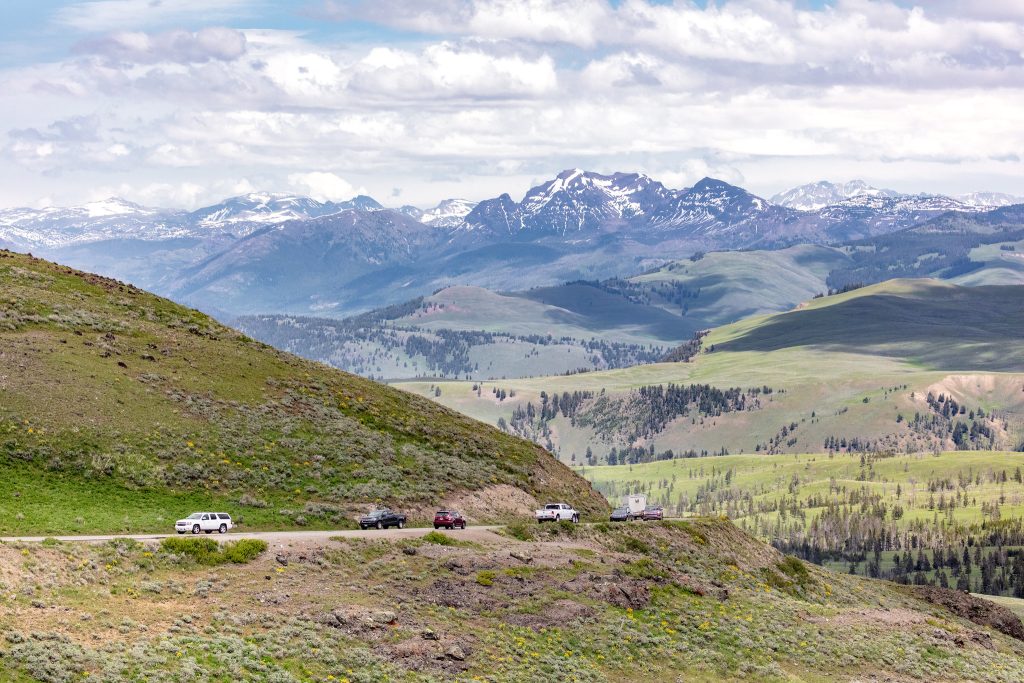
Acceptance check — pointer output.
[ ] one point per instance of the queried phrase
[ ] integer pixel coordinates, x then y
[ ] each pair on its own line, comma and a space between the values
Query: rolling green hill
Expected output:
120, 410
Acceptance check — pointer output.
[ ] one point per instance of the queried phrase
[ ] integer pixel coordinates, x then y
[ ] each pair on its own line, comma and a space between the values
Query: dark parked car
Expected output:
449, 519
382, 519
622, 514
654, 513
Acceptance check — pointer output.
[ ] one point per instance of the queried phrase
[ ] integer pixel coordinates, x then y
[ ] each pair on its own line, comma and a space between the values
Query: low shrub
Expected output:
635, 545
438, 538
794, 569
694, 533
485, 577
644, 568
207, 551
567, 528
520, 531
243, 551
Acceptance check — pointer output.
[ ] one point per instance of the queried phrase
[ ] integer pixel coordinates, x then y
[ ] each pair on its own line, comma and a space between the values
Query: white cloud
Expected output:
322, 185
185, 194
508, 92
577, 22
108, 15
447, 69
211, 43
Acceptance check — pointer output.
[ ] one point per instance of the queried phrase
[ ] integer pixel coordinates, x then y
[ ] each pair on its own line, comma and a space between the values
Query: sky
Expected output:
184, 102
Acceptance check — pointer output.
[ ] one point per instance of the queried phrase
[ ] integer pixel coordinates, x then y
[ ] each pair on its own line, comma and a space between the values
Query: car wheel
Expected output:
195, 528
223, 529
181, 533
437, 526
575, 519
540, 521
401, 524
380, 525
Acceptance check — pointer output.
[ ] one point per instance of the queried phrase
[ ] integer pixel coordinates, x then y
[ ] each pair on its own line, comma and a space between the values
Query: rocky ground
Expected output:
696, 600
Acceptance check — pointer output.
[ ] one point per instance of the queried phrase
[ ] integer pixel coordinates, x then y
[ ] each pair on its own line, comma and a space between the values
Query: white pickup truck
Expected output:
205, 521
554, 512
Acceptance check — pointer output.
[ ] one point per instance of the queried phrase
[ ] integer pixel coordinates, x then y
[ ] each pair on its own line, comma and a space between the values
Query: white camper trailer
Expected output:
636, 504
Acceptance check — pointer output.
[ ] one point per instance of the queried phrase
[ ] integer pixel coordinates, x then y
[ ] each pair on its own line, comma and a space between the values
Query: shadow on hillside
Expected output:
943, 328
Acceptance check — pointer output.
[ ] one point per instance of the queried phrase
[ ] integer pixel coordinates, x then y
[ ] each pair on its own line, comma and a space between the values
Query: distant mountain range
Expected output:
267, 253
818, 195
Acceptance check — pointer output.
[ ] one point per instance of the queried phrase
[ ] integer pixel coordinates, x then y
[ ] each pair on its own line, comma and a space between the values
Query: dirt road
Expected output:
276, 537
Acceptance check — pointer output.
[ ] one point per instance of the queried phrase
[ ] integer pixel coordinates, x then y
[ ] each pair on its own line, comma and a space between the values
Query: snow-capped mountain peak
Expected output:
112, 206
261, 207
449, 213
359, 203
270, 208
578, 201
814, 196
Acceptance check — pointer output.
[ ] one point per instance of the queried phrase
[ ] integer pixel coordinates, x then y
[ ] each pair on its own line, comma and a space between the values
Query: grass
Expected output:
768, 478
127, 410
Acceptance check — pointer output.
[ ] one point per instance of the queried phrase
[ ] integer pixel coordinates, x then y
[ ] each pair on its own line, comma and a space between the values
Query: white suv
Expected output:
204, 521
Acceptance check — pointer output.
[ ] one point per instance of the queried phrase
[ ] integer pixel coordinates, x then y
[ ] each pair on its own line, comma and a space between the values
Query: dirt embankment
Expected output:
978, 610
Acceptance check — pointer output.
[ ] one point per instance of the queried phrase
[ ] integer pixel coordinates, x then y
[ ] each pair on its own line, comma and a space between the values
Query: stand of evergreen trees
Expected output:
637, 416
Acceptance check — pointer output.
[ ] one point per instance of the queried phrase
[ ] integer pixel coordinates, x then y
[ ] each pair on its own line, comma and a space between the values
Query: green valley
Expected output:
859, 371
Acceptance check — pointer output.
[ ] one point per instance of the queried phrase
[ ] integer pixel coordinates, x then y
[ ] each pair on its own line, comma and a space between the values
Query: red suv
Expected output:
450, 519
653, 513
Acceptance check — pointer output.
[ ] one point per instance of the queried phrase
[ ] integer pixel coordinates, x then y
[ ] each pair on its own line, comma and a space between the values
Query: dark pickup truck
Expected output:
382, 519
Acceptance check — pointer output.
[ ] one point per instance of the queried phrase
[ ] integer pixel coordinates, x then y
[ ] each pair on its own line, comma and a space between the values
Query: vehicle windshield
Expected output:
443, 512
552, 507
196, 515
621, 510
377, 513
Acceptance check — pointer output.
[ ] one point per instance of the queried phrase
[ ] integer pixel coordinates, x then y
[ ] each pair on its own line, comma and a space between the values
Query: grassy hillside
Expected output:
695, 601
121, 410
856, 366
579, 310
731, 285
